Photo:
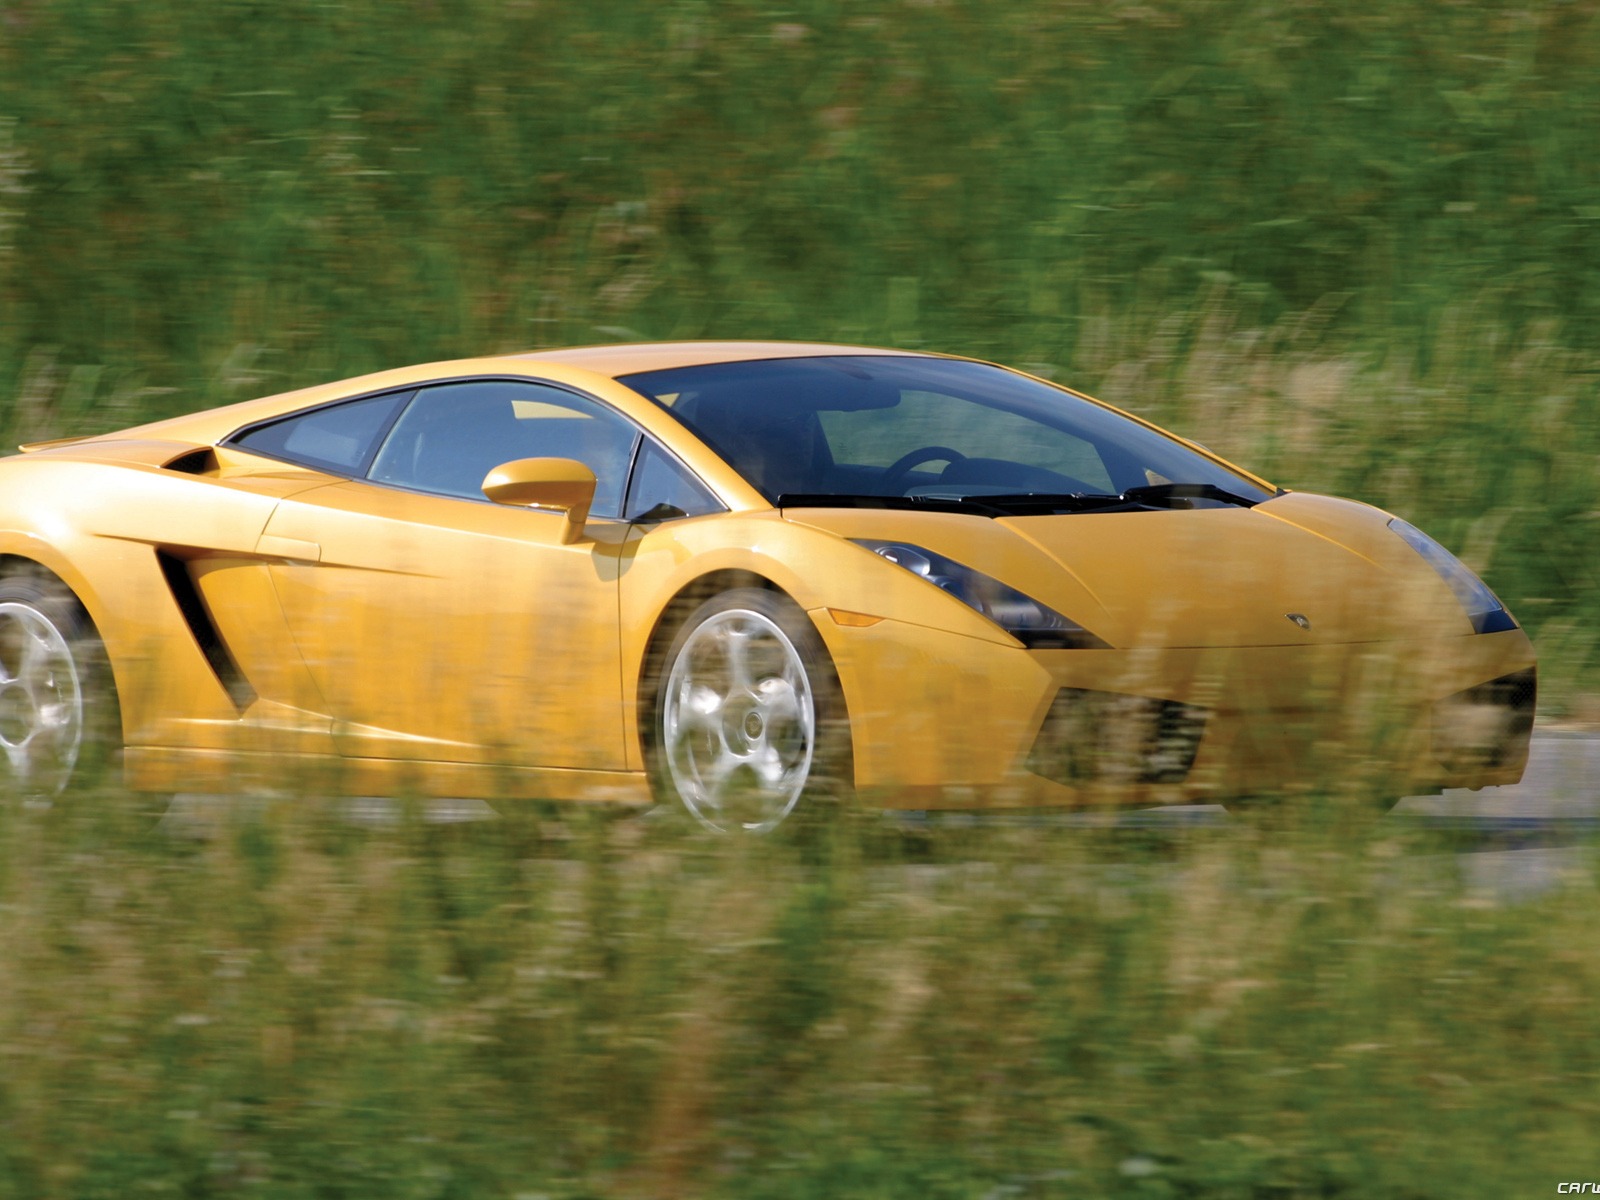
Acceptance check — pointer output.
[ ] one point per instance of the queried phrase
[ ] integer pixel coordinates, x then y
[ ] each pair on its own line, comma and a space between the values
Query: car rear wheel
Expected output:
749, 719
57, 703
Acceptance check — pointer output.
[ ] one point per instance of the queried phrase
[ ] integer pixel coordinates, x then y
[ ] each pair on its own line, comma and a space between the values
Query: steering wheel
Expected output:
894, 475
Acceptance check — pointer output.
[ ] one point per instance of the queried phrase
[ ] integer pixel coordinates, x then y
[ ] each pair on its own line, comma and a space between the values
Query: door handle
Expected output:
271, 545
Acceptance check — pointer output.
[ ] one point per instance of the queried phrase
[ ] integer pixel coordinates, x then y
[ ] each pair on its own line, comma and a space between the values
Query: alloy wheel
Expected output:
739, 722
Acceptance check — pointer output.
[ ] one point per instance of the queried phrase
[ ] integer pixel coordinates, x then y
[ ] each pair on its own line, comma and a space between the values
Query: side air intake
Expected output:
1106, 737
195, 616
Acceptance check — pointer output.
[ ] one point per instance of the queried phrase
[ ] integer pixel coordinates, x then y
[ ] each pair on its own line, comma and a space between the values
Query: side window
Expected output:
452, 435
661, 485
338, 439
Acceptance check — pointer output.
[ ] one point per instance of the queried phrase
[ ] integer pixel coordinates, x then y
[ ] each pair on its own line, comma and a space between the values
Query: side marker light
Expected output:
856, 620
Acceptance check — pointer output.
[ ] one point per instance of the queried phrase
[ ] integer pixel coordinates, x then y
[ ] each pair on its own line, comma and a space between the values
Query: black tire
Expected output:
775, 744
59, 716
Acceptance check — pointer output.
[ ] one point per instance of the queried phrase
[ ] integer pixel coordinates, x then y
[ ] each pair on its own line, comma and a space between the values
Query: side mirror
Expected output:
562, 484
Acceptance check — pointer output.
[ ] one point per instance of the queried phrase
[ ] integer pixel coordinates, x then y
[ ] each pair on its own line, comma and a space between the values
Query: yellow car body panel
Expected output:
259, 612
450, 629
1284, 718
1138, 582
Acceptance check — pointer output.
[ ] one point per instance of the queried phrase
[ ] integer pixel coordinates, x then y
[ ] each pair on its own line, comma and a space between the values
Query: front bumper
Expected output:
943, 720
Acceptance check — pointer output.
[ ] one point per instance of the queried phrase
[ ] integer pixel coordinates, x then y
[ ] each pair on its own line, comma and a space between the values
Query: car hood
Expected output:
1201, 577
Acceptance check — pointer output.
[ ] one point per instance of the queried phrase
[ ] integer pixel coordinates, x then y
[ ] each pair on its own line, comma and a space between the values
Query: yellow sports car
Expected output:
729, 576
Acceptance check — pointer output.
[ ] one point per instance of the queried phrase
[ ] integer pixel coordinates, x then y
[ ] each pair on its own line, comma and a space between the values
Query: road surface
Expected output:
1515, 842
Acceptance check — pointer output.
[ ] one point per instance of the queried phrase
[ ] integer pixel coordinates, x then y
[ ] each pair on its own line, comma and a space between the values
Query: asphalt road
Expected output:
1525, 839
1561, 784
1512, 842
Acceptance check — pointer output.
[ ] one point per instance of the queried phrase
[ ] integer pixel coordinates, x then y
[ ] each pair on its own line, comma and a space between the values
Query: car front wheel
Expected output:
749, 720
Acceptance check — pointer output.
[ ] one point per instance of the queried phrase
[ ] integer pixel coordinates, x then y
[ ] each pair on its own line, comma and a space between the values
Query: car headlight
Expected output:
1035, 625
1483, 607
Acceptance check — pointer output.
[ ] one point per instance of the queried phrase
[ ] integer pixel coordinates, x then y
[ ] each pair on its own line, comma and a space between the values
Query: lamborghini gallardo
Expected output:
732, 578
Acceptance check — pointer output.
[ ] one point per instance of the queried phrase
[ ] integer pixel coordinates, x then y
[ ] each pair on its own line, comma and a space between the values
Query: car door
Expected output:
441, 626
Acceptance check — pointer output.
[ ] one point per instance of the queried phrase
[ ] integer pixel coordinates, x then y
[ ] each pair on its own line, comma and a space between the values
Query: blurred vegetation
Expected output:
296, 1006
1355, 246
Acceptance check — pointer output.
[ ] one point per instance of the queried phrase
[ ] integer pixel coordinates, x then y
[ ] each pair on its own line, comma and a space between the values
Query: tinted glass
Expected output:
452, 435
337, 439
661, 484
911, 426
991, 436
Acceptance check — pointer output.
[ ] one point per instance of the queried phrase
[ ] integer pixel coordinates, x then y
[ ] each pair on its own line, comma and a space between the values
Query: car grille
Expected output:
1107, 737
1486, 725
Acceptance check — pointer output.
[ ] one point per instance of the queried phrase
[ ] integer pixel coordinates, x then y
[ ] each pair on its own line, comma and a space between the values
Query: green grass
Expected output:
293, 1006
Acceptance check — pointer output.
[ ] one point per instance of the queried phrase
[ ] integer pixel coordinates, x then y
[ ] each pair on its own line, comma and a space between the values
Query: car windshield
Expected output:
913, 429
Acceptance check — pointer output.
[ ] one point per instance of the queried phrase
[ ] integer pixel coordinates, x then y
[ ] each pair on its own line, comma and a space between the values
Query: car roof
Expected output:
616, 361
570, 364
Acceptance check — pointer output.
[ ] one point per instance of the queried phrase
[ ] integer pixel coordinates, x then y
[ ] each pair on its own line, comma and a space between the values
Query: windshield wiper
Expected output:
1026, 504
1155, 495
1029, 503
831, 500
1156, 492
